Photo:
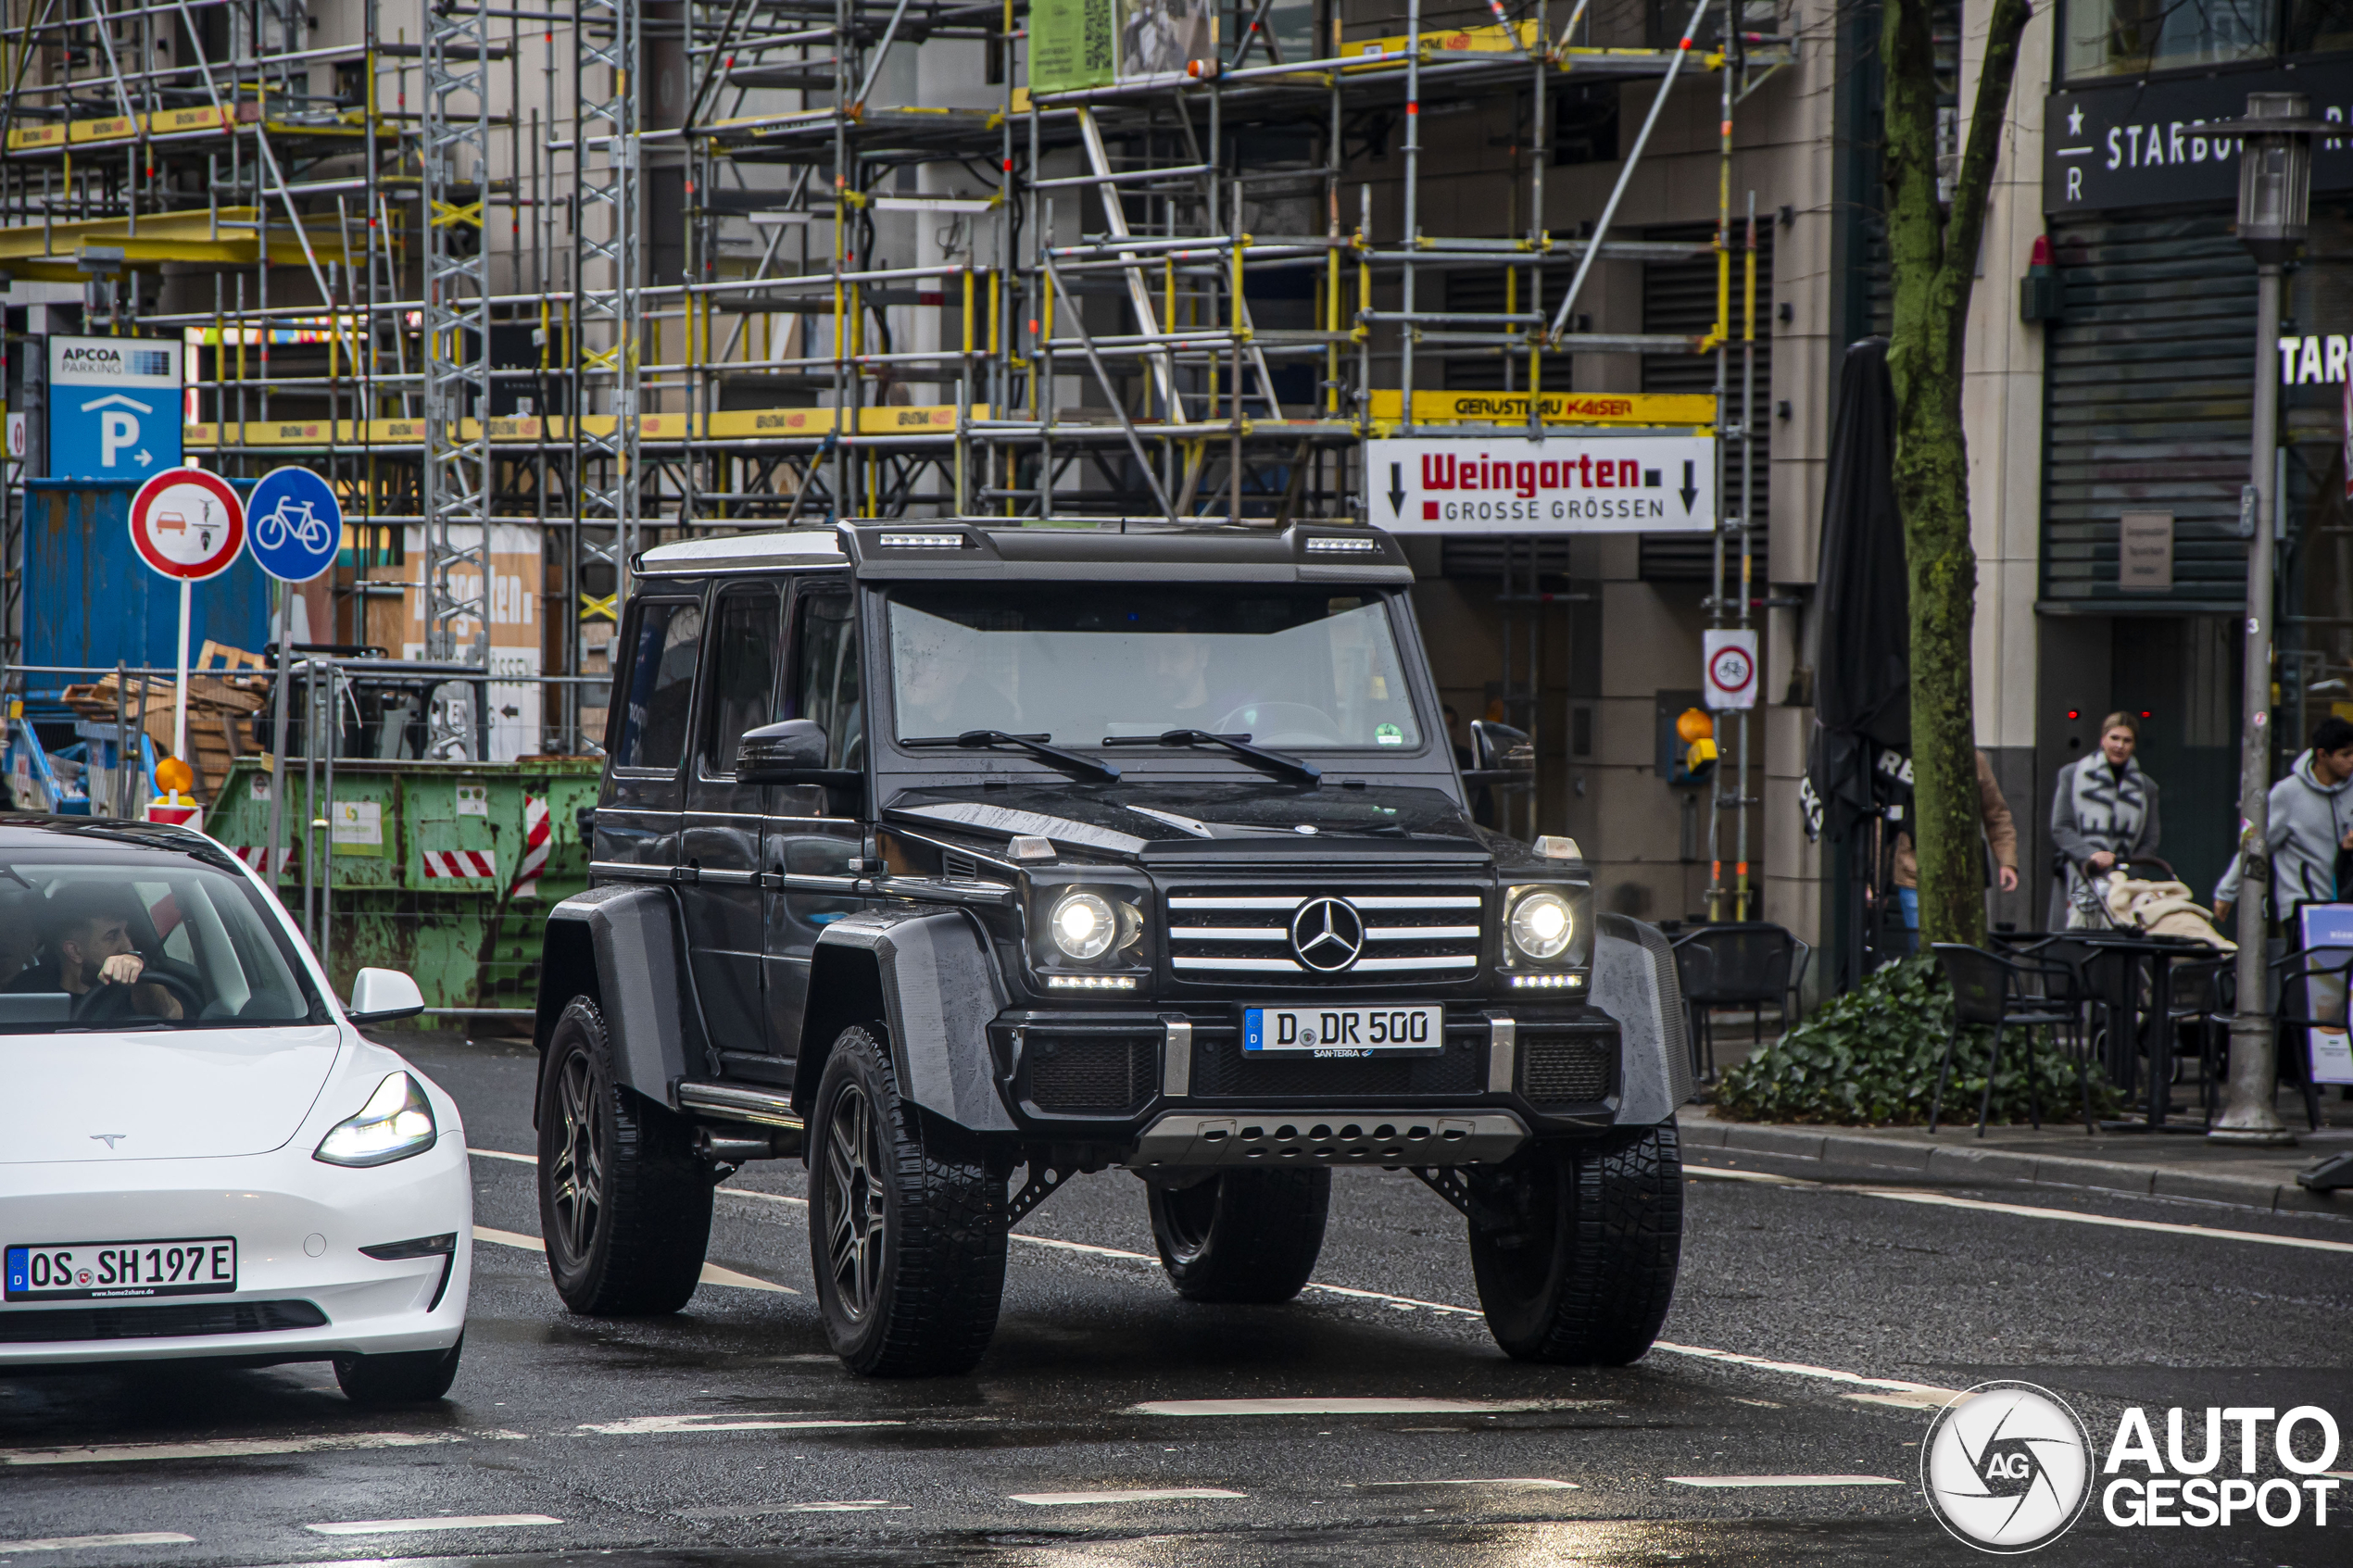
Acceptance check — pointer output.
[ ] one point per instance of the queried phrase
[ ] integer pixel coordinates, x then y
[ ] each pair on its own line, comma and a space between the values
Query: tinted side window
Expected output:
826, 686
744, 637
653, 712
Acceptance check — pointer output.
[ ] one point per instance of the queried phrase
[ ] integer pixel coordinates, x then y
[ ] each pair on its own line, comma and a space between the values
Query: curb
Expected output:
1960, 1167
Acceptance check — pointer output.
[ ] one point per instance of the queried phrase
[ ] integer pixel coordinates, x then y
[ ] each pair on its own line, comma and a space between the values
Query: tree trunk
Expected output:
1933, 254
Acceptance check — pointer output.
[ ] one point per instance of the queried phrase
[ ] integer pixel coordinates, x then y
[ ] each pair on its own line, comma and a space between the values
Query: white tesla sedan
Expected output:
199, 1155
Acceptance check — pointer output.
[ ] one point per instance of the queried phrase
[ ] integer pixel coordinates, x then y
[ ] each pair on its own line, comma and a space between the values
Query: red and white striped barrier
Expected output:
465, 865
535, 836
256, 855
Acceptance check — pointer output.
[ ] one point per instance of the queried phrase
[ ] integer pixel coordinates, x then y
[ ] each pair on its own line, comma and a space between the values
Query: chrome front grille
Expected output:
1412, 934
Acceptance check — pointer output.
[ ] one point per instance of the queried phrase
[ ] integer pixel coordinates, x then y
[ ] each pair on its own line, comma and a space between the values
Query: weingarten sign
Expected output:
2144, 144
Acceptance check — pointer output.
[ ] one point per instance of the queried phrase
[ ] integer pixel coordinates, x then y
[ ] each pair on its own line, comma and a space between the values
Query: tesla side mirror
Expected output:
1497, 745
790, 753
378, 996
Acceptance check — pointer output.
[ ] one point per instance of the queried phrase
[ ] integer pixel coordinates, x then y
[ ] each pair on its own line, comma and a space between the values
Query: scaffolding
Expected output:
706, 265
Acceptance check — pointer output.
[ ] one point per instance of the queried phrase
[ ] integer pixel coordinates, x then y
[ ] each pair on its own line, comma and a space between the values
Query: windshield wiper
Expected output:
1256, 756
1068, 762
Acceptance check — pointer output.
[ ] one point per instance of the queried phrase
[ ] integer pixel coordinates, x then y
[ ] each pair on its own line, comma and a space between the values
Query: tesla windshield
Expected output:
1293, 667
140, 941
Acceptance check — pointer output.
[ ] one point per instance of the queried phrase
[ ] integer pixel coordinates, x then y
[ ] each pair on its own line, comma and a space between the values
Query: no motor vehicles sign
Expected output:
1558, 484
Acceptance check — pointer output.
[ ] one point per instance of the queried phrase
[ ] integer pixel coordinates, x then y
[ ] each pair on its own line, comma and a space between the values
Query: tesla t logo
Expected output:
109, 1139
1328, 933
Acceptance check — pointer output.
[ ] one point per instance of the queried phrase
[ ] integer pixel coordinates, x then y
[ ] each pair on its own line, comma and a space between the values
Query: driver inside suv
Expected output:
89, 947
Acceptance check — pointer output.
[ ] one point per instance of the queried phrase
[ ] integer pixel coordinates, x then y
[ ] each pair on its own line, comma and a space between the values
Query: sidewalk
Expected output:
2181, 1165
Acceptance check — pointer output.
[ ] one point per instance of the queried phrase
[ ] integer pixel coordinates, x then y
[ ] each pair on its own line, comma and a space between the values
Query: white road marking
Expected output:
1532, 1483
75, 1543
404, 1526
222, 1448
1872, 1385
748, 1421
502, 1154
1374, 1406
1170, 1494
2026, 1210
712, 1272
753, 1511
1784, 1481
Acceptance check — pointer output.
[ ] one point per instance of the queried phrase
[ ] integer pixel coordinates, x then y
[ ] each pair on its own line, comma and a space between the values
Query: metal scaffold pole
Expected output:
457, 475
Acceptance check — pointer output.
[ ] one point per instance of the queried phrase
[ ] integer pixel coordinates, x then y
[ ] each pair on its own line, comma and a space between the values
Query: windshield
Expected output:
140, 941
1298, 669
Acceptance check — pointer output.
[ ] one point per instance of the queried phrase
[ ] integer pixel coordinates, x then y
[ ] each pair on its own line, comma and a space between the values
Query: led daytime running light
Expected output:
395, 1123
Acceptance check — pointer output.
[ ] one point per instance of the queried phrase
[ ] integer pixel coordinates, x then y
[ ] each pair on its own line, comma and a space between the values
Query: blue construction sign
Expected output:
114, 407
293, 524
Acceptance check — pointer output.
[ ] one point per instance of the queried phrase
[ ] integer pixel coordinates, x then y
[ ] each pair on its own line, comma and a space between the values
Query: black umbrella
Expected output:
1860, 765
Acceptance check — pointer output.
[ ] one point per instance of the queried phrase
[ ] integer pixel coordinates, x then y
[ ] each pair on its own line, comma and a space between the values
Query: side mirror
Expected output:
1499, 746
790, 753
379, 995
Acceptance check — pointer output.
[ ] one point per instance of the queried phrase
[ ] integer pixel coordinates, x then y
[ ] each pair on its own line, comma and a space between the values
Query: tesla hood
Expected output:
160, 1095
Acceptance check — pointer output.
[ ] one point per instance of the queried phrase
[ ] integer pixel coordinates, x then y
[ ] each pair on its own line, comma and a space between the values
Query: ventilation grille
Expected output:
1243, 934
1563, 1067
71, 1324
1101, 1073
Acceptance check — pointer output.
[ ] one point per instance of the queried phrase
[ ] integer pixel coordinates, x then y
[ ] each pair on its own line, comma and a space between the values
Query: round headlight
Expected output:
1083, 927
1541, 925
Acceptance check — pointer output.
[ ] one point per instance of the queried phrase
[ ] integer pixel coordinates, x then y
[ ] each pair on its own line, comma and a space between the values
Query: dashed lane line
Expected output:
2025, 1210
1525, 1483
233, 1447
1164, 1494
439, 1522
712, 1272
754, 1511
77, 1543
1750, 1481
1353, 1406
748, 1421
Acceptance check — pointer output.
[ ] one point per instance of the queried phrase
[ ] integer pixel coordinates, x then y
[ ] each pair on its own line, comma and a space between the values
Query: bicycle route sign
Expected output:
293, 524
186, 524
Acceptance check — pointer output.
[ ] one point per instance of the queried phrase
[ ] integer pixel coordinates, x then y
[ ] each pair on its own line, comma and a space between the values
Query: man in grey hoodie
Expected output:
2311, 825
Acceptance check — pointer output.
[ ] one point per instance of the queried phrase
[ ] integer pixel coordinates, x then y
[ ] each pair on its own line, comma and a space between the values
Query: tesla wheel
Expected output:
624, 1203
410, 1377
1576, 1261
906, 1224
1242, 1235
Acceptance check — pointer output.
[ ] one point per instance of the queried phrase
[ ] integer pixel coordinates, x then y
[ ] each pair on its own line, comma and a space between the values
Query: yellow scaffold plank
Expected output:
34, 250
733, 426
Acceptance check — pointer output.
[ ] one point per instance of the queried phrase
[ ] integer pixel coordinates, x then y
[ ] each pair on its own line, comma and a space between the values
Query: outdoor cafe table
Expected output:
2159, 953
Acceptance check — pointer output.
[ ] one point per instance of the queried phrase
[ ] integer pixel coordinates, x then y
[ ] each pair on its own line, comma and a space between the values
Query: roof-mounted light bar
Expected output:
921, 541
1340, 544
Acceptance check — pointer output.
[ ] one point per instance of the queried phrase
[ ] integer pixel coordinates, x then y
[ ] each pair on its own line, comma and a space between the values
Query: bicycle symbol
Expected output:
293, 519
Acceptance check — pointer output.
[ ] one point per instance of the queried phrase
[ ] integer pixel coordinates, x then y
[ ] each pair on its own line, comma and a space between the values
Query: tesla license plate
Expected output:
1343, 1032
83, 1270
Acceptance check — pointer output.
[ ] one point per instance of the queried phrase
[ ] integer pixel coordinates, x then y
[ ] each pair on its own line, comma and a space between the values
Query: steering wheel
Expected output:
112, 1003
1282, 723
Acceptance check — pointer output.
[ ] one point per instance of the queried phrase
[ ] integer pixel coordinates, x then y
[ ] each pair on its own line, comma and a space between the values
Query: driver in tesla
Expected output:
90, 946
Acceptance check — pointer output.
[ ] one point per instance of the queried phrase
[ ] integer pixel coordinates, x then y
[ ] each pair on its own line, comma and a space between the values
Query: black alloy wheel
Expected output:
624, 1201
906, 1223
1576, 1245
1242, 1235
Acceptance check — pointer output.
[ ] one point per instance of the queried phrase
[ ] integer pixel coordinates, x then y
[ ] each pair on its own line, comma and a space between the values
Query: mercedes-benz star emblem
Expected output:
109, 1139
1328, 933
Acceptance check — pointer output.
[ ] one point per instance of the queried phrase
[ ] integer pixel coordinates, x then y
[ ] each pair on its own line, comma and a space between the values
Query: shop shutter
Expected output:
2147, 397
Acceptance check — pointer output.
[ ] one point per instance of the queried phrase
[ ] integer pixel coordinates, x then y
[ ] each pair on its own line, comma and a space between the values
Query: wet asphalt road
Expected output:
727, 1434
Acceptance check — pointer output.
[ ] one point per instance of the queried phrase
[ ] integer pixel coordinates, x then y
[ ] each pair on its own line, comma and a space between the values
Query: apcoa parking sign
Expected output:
114, 407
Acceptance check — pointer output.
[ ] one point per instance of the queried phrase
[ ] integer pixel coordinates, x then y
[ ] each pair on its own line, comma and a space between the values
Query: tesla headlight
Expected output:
395, 1123
1083, 927
1541, 924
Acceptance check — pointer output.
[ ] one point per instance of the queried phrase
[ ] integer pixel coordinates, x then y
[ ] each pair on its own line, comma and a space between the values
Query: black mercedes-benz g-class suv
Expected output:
973, 850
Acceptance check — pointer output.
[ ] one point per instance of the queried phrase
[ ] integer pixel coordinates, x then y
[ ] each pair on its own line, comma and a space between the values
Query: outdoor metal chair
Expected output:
2003, 992
2296, 1010
1738, 963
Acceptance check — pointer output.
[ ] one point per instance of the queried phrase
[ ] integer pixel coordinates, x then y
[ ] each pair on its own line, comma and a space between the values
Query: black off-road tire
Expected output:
624, 1202
408, 1377
907, 1223
1242, 1235
1576, 1264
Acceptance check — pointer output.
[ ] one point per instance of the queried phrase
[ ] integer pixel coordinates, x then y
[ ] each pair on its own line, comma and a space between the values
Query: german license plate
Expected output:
84, 1271
1344, 1032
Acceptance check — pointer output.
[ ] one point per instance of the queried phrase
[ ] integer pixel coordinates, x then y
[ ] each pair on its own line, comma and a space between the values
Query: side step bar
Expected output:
736, 1102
